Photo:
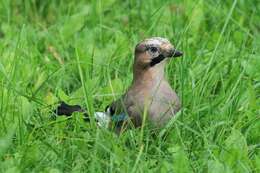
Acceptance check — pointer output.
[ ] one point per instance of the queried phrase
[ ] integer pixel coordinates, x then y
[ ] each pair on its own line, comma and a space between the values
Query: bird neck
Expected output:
150, 76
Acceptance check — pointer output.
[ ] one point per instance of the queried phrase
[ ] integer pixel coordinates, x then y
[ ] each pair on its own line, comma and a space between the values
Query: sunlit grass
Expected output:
82, 53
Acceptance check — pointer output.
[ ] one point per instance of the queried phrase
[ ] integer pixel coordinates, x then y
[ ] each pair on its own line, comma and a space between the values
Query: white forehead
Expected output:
156, 41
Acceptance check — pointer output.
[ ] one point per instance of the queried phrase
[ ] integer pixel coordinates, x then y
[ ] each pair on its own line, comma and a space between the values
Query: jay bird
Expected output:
149, 94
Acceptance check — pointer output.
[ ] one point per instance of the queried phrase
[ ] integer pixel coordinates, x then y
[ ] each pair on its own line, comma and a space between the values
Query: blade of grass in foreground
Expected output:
6, 140
86, 91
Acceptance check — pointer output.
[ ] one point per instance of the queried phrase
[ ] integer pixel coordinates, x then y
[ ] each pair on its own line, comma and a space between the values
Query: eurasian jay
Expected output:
149, 94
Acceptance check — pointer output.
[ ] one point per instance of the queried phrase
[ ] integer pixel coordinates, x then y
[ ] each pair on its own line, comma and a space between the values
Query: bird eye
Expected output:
153, 49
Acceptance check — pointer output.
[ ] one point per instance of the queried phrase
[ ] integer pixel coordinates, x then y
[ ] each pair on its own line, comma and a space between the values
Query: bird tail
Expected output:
67, 110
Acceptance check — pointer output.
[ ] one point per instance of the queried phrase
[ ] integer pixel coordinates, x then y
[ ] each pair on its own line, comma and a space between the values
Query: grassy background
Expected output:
82, 52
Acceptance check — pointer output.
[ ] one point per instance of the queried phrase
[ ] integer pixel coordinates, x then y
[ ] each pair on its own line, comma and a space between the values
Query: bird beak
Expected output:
172, 52
176, 53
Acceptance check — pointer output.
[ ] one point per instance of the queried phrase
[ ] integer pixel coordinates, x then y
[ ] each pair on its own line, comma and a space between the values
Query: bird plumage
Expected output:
149, 91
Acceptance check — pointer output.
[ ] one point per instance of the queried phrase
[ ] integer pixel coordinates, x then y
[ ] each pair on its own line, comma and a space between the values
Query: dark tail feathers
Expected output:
67, 110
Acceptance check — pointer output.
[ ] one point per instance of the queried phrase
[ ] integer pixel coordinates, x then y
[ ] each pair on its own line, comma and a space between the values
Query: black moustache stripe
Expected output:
157, 60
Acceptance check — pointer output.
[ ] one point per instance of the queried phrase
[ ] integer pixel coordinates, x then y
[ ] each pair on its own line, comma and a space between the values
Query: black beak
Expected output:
176, 53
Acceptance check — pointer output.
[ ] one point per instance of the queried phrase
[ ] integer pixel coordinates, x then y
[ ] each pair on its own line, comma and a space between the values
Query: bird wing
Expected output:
124, 109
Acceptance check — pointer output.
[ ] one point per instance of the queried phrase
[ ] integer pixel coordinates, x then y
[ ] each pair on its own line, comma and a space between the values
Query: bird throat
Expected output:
157, 60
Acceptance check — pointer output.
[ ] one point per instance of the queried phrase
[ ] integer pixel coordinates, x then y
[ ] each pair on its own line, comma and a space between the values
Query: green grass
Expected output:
82, 52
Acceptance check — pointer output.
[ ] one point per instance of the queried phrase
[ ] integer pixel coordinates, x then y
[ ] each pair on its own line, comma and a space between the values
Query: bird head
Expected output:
153, 51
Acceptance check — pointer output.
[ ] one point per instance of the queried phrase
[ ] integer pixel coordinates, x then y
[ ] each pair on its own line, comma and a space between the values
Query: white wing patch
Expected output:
102, 118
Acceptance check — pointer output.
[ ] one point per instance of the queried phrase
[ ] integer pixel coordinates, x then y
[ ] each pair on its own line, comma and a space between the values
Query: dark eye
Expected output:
153, 49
